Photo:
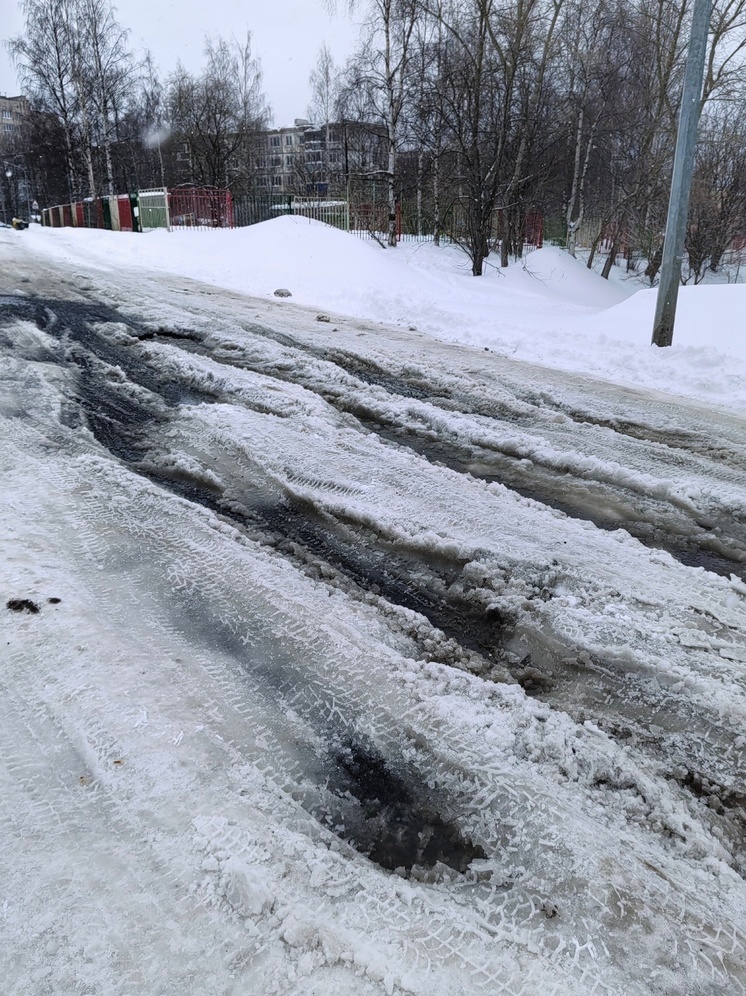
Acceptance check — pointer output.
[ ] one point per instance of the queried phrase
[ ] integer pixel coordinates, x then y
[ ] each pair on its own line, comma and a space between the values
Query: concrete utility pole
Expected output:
681, 183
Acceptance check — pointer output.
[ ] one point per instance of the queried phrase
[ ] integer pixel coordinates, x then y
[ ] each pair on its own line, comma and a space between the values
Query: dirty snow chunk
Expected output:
282, 292
733, 653
323, 318
245, 888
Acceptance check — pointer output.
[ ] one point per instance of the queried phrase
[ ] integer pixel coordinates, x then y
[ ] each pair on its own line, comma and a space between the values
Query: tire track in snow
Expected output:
577, 682
521, 913
617, 499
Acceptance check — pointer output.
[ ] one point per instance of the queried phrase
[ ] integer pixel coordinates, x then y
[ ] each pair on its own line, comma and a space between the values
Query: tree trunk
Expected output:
477, 262
572, 232
572, 224
392, 196
504, 237
109, 166
610, 260
436, 200
654, 264
519, 230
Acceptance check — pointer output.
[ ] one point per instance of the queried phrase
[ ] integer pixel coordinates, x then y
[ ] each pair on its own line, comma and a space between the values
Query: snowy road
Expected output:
381, 665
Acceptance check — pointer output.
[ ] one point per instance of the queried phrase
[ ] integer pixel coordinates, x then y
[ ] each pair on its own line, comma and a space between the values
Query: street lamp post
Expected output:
681, 182
10, 170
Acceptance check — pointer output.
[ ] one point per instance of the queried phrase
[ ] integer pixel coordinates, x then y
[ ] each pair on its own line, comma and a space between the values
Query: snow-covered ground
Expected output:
365, 662
549, 310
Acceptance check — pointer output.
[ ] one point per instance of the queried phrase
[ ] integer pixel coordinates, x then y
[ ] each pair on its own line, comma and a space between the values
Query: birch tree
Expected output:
43, 58
108, 69
381, 68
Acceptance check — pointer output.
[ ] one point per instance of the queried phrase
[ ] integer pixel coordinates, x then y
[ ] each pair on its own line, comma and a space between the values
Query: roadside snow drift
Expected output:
549, 309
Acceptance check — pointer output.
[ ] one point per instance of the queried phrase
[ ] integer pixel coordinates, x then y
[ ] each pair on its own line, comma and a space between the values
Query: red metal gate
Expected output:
534, 229
125, 213
200, 207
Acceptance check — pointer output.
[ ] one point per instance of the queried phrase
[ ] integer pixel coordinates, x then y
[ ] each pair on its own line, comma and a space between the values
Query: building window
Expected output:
288, 160
7, 114
276, 181
275, 141
288, 140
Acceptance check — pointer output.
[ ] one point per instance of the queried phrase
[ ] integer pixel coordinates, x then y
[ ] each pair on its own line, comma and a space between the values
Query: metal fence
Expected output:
334, 212
200, 207
251, 209
147, 210
190, 208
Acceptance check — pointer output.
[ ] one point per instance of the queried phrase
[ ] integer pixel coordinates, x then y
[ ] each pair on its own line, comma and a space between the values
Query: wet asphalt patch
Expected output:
379, 807
400, 829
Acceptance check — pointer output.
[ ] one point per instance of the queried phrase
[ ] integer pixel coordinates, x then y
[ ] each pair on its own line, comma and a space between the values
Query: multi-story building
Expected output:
14, 112
280, 164
306, 159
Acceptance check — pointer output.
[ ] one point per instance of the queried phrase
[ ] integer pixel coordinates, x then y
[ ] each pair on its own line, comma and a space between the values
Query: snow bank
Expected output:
549, 309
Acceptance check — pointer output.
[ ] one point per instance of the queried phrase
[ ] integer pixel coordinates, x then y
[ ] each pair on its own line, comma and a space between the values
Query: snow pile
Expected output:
549, 309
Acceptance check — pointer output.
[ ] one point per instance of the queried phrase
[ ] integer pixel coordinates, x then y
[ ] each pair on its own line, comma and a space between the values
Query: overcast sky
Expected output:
287, 35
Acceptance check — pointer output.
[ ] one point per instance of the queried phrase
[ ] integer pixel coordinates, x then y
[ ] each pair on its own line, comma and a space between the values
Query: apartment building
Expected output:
307, 159
14, 112
282, 162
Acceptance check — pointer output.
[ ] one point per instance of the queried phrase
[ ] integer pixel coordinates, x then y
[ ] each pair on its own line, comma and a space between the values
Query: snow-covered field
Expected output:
365, 661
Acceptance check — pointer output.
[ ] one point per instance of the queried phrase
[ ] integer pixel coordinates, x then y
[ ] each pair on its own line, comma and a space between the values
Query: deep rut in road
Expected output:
714, 546
378, 805
125, 402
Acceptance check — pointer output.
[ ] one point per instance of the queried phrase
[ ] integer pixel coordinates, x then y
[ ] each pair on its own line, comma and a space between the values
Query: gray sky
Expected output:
286, 36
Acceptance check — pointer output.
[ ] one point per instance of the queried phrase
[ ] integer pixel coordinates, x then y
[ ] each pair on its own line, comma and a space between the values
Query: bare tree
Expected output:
594, 75
381, 69
43, 57
324, 83
216, 114
108, 68
717, 210
154, 128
